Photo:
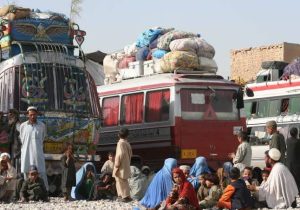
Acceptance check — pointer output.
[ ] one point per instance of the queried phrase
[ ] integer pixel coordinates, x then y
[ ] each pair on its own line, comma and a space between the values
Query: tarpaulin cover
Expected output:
292, 69
147, 37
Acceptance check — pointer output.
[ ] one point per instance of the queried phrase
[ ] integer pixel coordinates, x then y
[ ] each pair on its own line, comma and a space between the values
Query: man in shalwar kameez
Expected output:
280, 189
32, 134
121, 170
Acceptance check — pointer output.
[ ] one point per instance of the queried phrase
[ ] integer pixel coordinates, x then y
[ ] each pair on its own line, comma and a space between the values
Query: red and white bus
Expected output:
179, 115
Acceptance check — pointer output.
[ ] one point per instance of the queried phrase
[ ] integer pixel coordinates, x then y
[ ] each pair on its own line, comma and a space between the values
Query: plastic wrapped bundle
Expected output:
196, 45
124, 63
12, 12
165, 40
179, 60
131, 50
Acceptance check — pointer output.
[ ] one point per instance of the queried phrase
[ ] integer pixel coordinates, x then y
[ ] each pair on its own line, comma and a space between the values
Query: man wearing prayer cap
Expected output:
8, 175
280, 189
32, 135
277, 139
274, 154
31, 108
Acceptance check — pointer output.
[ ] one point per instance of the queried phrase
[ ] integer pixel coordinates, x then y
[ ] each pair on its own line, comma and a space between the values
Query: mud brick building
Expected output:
245, 63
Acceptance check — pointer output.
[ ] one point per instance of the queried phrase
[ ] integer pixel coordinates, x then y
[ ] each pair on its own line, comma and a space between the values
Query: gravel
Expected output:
59, 204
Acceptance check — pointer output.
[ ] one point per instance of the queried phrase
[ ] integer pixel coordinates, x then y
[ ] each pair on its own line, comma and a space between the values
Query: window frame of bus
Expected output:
282, 128
192, 115
115, 122
145, 107
252, 107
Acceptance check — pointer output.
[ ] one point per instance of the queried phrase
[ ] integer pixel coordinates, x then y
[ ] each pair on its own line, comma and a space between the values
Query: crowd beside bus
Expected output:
236, 185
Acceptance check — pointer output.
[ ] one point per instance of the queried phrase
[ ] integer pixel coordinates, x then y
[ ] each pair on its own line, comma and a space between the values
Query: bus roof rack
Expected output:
202, 72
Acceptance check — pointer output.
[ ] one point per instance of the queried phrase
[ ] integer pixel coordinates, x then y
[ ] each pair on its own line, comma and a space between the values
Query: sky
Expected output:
225, 24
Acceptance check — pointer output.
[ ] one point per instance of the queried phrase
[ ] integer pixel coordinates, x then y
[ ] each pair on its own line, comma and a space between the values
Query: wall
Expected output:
245, 63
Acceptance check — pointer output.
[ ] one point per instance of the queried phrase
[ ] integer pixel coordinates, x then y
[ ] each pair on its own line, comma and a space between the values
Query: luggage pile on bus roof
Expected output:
160, 50
26, 25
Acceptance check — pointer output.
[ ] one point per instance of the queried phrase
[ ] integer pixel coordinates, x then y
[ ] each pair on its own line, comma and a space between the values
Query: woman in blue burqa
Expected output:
160, 185
85, 177
200, 166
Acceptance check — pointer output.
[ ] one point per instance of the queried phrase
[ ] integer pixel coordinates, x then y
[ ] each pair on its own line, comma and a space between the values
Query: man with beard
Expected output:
13, 138
32, 135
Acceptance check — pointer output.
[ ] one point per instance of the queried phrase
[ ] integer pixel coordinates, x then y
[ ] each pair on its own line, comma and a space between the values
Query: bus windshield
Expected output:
52, 87
208, 104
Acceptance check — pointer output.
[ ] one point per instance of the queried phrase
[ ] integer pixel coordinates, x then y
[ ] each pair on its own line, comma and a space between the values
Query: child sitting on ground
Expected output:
247, 175
104, 188
236, 195
33, 189
265, 174
212, 183
203, 190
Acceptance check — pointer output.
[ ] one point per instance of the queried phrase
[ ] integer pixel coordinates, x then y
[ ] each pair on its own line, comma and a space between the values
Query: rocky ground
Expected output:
59, 204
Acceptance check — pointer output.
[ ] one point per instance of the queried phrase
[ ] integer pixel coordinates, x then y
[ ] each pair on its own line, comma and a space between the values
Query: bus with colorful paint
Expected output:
183, 115
40, 66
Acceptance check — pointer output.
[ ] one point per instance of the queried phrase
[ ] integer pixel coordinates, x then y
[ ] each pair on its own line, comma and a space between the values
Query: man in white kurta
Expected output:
280, 189
32, 134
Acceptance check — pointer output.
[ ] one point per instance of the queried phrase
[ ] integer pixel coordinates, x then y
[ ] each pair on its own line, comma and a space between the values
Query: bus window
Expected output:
208, 104
284, 108
224, 105
110, 110
259, 136
132, 108
248, 109
268, 108
294, 107
157, 106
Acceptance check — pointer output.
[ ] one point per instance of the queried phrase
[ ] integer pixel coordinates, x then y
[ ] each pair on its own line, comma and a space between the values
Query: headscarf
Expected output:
186, 190
200, 166
160, 185
137, 183
227, 166
80, 175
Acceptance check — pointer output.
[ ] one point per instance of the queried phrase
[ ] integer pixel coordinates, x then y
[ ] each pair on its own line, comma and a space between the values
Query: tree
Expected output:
75, 10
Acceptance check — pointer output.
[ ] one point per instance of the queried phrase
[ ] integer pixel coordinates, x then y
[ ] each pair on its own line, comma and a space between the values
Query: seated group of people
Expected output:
229, 188
13, 189
92, 186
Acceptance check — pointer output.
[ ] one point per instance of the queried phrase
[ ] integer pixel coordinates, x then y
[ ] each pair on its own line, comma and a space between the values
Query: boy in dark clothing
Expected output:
33, 189
104, 188
236, 195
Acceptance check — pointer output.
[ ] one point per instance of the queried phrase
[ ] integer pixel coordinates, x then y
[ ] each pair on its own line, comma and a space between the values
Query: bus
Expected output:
183, 115
273, 100
39, 67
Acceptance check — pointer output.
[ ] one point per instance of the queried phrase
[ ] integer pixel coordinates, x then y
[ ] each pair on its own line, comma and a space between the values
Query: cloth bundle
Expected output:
165, 40
196, 45
179, 60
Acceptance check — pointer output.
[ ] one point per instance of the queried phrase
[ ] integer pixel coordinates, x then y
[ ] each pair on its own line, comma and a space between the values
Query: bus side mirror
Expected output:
240, 99
249, 92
